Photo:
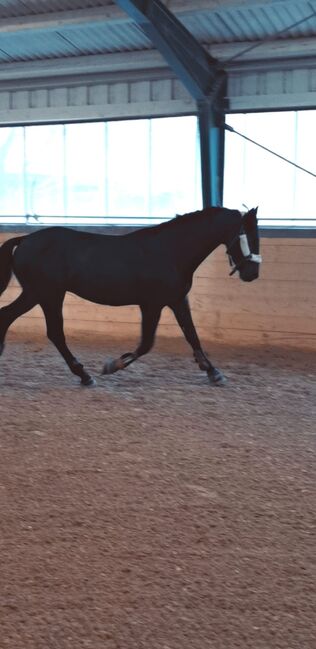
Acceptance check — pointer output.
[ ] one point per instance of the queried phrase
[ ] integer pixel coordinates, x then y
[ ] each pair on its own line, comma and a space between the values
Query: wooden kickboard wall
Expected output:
278, 309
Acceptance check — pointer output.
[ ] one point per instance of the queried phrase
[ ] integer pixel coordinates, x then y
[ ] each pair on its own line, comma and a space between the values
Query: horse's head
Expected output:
243, 250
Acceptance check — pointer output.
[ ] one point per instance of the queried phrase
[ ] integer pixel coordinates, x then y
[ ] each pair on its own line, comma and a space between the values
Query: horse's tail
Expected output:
6, 259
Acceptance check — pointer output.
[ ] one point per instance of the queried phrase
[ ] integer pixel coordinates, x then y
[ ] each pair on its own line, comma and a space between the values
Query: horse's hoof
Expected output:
110, 367
216, 377
119, 364
88, 382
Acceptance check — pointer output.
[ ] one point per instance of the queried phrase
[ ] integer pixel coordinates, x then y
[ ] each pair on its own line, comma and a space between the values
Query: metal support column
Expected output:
211, 114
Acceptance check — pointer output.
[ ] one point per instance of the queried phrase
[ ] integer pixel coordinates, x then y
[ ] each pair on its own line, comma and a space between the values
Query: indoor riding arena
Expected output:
166, 505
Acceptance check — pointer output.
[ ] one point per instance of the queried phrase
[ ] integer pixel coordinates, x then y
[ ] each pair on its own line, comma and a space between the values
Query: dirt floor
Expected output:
155, 511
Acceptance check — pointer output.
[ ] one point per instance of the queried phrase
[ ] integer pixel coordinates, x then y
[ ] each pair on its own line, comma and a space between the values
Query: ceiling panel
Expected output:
228, 22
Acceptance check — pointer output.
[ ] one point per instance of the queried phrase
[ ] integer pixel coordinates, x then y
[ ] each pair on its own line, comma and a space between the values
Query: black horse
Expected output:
152, 267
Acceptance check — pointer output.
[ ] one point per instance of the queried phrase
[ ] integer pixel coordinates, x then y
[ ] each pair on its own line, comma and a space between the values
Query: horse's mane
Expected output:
180, 218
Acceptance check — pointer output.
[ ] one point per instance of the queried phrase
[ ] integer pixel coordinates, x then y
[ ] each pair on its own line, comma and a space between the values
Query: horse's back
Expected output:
109, 269
53, 254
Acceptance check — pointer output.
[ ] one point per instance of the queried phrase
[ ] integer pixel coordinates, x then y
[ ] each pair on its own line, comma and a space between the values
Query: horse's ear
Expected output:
250, 217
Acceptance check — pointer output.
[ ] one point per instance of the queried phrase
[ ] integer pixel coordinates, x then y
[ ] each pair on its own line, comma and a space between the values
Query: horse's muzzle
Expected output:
249, 271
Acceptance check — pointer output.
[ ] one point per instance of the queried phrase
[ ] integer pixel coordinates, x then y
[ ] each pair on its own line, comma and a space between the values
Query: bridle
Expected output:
246, 254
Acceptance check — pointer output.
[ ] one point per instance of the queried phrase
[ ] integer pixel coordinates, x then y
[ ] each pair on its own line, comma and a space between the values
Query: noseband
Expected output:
246, 254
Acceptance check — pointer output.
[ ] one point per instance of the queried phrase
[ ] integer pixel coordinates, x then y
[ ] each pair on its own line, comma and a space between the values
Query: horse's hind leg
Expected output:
55, 333
150, 319
25, 302
183, 315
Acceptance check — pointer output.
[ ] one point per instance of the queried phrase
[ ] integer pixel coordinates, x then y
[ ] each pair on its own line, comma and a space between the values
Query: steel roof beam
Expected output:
203, 78
188, 59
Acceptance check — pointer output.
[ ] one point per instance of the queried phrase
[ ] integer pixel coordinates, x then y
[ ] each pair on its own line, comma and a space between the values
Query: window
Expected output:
44, 170
146, 171
12, 187
128, 169
126, 172
175, 167
253, 176
85, 169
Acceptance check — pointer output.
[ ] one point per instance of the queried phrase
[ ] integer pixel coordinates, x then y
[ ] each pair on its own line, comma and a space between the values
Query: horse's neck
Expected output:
192, 242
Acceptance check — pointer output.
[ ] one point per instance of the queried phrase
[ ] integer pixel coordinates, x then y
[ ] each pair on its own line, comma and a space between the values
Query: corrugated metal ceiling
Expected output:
225, 24
253, 23
15, 8
71, 41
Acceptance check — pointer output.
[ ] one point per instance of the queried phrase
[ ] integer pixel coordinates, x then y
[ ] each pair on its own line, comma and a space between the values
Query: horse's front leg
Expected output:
183, 315
150, 319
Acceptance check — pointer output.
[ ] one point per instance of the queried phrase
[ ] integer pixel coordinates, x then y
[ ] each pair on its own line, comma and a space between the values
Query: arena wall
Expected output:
277, 309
